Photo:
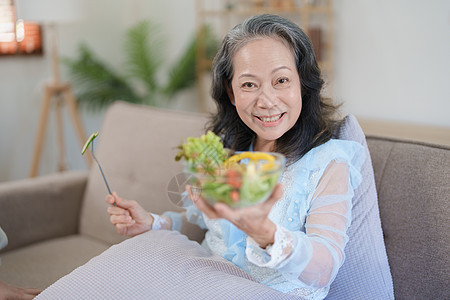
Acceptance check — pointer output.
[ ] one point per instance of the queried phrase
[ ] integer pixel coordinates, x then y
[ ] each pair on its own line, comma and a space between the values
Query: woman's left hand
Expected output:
253, 220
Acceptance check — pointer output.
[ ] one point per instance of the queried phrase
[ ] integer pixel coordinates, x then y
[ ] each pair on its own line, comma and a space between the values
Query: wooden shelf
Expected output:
255, 11
418, 132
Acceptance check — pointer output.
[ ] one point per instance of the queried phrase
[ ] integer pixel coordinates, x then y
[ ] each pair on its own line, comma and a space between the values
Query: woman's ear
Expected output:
230, 93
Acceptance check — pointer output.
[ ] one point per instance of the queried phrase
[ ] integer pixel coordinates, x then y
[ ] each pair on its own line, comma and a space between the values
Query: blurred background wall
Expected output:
391, 64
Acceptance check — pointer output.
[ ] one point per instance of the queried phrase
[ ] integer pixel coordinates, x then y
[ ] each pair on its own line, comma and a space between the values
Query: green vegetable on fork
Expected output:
90, 141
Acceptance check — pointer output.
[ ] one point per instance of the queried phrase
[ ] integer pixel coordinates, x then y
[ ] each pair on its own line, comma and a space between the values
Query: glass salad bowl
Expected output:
244, 179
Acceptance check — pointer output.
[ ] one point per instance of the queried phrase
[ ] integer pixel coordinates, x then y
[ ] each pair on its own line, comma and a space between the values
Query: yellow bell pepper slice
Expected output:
253, 156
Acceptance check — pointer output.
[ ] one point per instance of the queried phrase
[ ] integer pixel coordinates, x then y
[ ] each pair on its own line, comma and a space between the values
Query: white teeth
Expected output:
270, 119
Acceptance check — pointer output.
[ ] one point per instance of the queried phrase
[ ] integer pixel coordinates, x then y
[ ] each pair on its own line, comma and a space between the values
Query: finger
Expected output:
115, 196
27, 296
114, 210
109, 199
120, 219
33, 291
123, 203
201, 204
123, 228
192, 195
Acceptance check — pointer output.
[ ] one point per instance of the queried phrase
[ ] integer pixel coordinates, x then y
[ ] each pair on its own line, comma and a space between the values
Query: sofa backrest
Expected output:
136, 149
413, 185
412, 181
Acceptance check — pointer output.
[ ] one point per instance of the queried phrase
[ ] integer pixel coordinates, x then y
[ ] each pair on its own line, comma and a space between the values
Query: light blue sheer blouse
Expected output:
292, 263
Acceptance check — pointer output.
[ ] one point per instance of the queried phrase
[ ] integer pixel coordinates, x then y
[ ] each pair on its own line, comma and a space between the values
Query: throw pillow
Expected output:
365, 273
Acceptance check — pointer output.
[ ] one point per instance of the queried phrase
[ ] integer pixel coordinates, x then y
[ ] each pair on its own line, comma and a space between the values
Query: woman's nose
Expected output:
266, 98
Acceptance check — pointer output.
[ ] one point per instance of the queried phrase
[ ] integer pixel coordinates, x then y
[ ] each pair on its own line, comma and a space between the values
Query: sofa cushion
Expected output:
136, 149
414, 195
365, 273
41, 264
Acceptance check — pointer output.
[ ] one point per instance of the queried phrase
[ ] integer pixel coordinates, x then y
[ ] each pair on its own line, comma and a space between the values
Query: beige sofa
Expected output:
58, 222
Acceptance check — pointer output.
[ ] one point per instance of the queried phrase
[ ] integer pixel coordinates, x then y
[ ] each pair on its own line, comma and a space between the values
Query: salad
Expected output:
237, 179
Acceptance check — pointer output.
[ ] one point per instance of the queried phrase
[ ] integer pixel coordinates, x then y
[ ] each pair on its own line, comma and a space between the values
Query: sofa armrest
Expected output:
41, 208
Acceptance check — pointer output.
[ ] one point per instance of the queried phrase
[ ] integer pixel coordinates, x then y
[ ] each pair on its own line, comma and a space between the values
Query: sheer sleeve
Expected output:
315, 256
192, 213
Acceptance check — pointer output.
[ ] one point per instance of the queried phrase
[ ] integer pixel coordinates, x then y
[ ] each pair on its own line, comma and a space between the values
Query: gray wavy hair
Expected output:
315, 124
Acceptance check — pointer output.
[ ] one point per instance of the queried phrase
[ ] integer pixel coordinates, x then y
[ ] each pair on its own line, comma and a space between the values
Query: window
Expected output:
17, 36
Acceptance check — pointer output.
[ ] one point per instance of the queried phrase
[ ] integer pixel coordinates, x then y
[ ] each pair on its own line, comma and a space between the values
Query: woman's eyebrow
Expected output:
273, 71
280, 68
246, 75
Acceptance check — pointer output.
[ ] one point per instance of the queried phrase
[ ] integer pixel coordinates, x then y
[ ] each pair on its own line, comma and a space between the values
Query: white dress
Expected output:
311, 218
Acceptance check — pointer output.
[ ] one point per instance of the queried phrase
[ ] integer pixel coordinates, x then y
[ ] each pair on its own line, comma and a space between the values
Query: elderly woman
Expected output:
267, 84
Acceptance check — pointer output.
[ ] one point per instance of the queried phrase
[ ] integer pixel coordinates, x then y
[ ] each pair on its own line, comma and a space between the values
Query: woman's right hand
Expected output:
128, 216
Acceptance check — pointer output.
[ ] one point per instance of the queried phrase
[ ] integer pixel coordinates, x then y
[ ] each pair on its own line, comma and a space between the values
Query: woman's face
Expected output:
266, 90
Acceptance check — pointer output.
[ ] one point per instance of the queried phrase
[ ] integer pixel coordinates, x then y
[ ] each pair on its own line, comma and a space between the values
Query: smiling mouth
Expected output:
270, 119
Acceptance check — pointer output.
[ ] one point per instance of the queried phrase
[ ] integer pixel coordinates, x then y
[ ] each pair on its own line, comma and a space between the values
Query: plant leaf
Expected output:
182, 74
97, 84
143, 47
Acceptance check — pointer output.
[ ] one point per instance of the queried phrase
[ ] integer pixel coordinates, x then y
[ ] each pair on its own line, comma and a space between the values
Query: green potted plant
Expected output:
97, 84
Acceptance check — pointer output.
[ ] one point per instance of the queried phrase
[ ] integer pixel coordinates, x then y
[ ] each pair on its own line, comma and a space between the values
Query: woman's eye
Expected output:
248, 85
283, 80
